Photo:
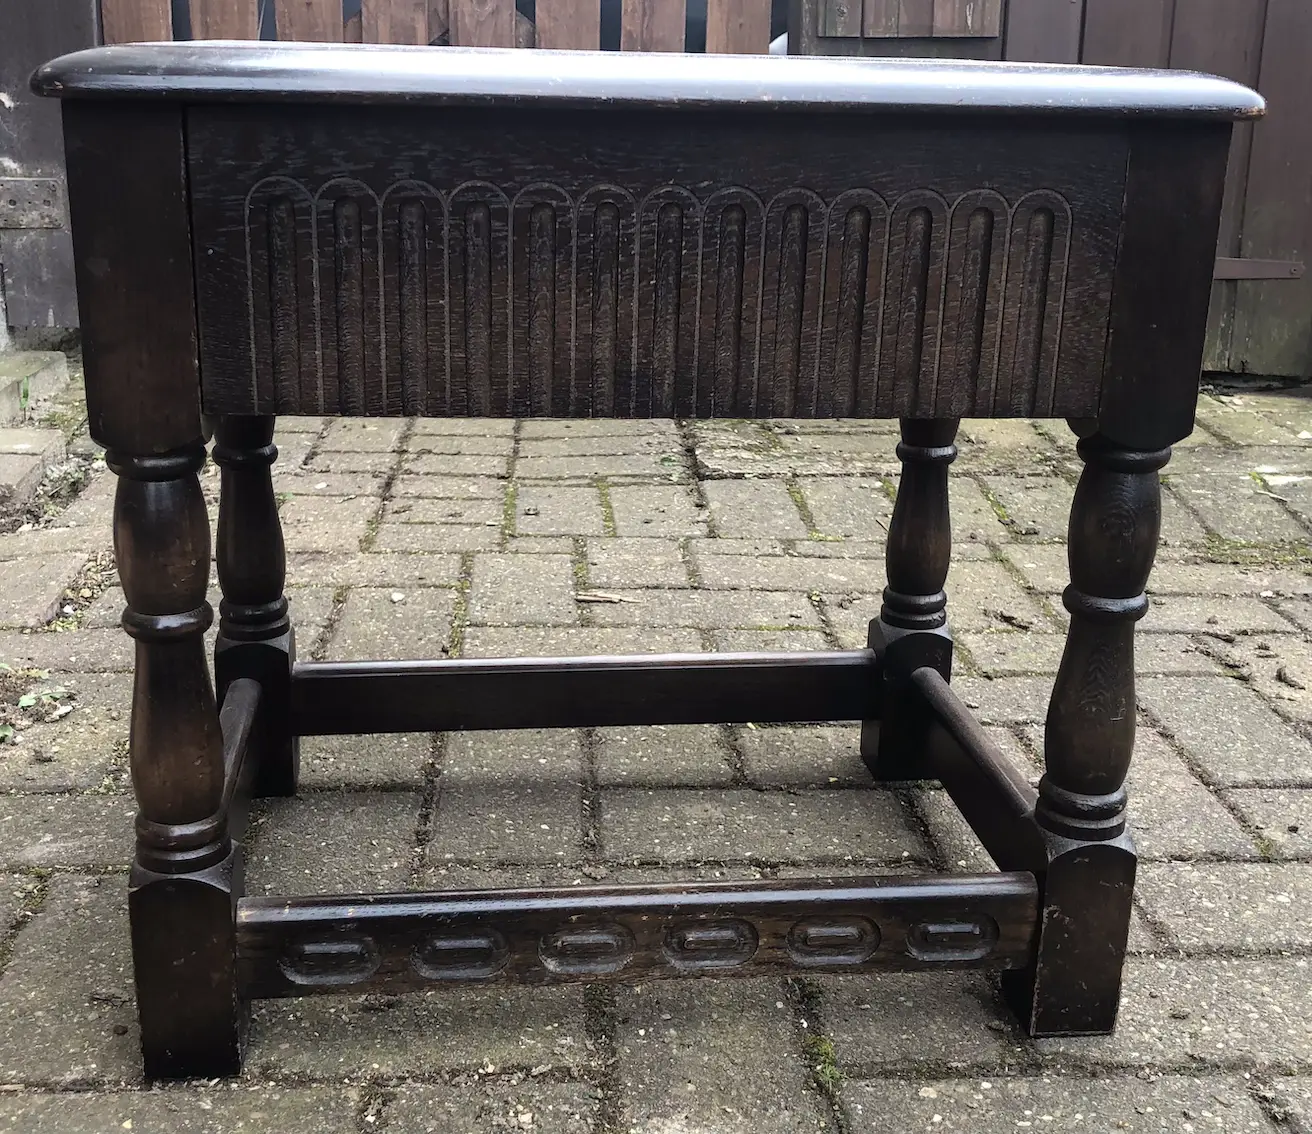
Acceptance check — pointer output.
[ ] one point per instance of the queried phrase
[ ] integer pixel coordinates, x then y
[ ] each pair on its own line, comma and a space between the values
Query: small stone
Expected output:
397, 596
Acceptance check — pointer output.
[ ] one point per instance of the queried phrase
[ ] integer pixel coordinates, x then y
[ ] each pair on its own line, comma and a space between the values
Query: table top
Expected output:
223, 71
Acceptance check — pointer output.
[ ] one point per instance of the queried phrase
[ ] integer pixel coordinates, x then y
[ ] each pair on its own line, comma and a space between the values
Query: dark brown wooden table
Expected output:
285, 229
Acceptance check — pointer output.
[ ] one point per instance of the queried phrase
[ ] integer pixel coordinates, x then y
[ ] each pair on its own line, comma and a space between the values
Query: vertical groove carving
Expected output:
604, 326
853, 283
908, 372
606, 302
792, 272
478, 309
790, 284
720, 400
841, 379
349, 294
284, 302
976, 265
655, 396
541, 309
412, 305
1035, 266
541, 321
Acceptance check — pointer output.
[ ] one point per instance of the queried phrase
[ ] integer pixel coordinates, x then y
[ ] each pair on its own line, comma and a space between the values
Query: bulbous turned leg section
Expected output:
185, 876
256, 638
1074, 987
912, 626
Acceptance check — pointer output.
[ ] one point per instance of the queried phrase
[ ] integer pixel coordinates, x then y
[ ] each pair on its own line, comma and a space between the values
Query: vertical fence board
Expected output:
652, 25
1273, 319
394, 21
572, 24
1128, 33
1044, 31
880, 17
316, 21
136, 21
915, 19
742, 27
837, 18
225, 19
967, 17
482, 23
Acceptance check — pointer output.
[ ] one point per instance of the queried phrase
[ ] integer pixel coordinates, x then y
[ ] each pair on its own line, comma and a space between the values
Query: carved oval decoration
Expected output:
968, 938
832, 941
587, 950
342, 959
475, 955
710, 944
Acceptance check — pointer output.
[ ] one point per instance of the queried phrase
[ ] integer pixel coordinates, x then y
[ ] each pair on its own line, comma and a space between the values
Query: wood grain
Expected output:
568, 24
742, 27
1044, 31
394, 21
974, 18
439, 21
837, 18
225, 19
482, 23
1128, 33
136, 21
308, 20
880, 17
652, 25
915, 19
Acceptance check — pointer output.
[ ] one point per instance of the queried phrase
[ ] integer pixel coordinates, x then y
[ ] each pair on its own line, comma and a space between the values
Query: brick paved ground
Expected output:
481, 538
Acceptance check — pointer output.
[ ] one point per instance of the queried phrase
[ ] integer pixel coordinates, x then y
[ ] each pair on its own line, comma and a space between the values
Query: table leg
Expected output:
912, 625
255, 639
1074, 986
186, 873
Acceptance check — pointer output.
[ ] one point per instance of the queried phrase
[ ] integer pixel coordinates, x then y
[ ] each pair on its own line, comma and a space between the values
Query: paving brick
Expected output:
663, 756
209, 1109
916, 1019
1181, 1013
30, 589
539, 641
66, 1009
1235, 508
770, 641
680, 1051
1036, 506
310, 608
509, 797
786, 572
539, 429
464, 427
1278, 666
460, 445
813, 755
753, 508
1006, 700
394, 760
77, 750
519, 1104
510, 1029
456, 465
41, 542
429, 486
377, 463
1241, 424
602, 445
857, 508
1228, 731
657, 511
332, 842
1005, 652
66, 830
708, 609
514, 590
1282, 818
301, 424
650, 466
541, 545
1007, 1103
363, 436
1233, 906
635, 563
374, 624
1186, 614
311, 523
453, 538
423, 510
553, 510
390, 570
973, 518
74, 651
737, 825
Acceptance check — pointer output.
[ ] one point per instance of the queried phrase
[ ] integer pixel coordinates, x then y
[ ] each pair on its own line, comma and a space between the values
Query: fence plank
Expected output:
569, 24
652, 25
742, 27
880, 18
136, 21
483, 23
916, 19
317, 21
1044, 31
1273, 320
1128, 33
980, 18
394, 21
225, 19
439, 20
1223, 37
836, 19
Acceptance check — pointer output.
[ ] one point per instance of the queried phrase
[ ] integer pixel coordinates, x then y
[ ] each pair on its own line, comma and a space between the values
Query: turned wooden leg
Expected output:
1074, 988
186, 874
912, 625
255, 634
